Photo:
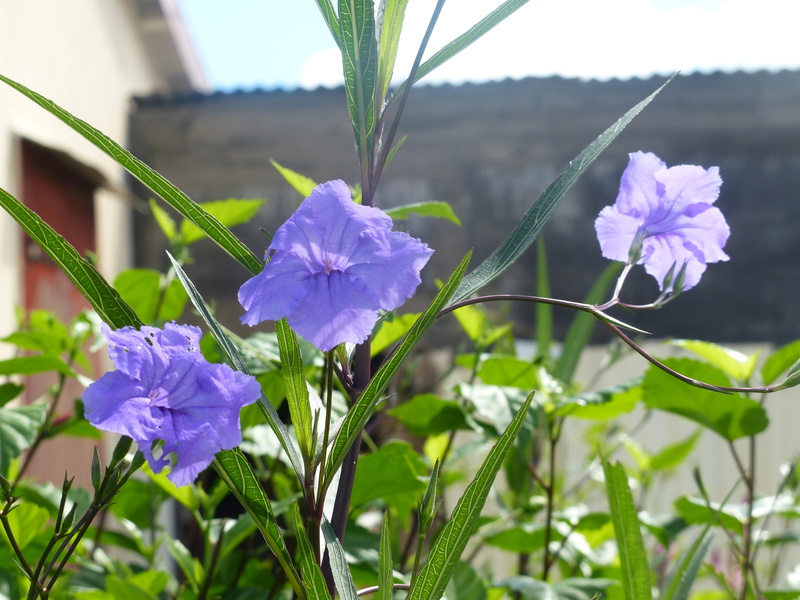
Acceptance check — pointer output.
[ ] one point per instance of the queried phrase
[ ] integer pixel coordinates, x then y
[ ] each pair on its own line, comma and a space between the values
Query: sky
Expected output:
285, 43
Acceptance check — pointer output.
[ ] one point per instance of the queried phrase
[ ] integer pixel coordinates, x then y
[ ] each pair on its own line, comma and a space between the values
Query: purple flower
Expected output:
668, 211
335, 264
163, 389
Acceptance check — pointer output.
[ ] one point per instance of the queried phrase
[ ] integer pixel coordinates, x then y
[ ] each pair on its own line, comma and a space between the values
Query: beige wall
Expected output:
90, 57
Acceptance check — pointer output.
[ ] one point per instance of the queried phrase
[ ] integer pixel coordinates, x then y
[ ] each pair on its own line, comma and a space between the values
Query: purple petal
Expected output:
120, 404
637, 190
616, 232
276, 291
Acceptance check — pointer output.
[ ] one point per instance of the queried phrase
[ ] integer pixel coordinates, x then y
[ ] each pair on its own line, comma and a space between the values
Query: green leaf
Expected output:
189, 565
29, 365
522, 538
142, 290
532, 222
509, 371
26, 522
466, 584
697, 511
734, 364
304, 185
392, 328
385, 562
544, 311
238, 475
673, 456
9, 391
338, 561
326, 8
230, 212
150, 178
360, 64
730, 415
103, 298
456, 533
583, 324
635, 570
164, 221
780, 361
391, 14
18, 430
428, 414
685, 571
312, 574
438, 210
295, 386
394, 469
186, 495
360, 412
604, 404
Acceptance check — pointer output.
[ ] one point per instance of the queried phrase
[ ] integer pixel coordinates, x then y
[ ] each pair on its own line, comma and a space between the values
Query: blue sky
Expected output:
284, 43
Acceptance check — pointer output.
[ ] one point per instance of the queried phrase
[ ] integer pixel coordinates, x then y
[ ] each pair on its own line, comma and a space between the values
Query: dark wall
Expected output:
490, 150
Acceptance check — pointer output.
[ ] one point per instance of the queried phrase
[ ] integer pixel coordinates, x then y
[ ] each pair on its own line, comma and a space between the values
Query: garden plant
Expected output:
300, 461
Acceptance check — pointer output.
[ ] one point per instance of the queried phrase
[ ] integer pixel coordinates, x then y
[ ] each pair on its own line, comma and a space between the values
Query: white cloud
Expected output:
591, 39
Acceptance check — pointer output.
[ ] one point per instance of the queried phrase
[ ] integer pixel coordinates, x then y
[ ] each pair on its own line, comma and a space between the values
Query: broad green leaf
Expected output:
295, 386
360, 64
313, 579
191, 567
338, 561
360, 412
685, 571
142, 290
580, 331
304, 185
779, 361
464, 40
632, 557
439, 210
509, 371
394, 469
150, 178
532, 222
331, 20
385, 562
572, 588
456, 533
730, 415
230, 212
18, 429
9, 391
392, 329
428, 414
238, 475
28, 365
391, 14
466, 584
472, 320
604, 404
26, 521
494, 404
186, 495
696, 511
734, 364
103, 298
166, 223
230, 351
521, 538
673, 456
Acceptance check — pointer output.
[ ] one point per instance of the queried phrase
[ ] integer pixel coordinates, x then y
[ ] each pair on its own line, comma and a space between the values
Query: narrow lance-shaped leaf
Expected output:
452, 541
360, 63
632, 557
152, 179
544, 312
391, 14
103, 298
273, 420
341, 572
295, 382
532, 222
238, 475
312, 574
385, 562
685, 570
360, 412
331, 20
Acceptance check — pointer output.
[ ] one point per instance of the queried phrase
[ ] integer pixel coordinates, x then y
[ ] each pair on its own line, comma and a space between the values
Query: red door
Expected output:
61, 192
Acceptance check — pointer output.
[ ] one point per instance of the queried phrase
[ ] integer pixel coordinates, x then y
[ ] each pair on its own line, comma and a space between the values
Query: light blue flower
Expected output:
334, 265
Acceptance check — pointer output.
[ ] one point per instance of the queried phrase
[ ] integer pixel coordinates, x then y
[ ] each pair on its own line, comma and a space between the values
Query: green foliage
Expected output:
439, 210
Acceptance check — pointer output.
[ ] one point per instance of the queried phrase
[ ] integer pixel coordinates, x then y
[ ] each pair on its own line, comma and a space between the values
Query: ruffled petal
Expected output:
276, 291
120, 404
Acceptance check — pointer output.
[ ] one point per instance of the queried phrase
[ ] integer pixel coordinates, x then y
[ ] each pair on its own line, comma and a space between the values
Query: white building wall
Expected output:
90, 57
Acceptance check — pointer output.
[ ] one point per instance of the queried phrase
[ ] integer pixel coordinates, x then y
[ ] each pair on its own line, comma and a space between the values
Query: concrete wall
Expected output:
490, 150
